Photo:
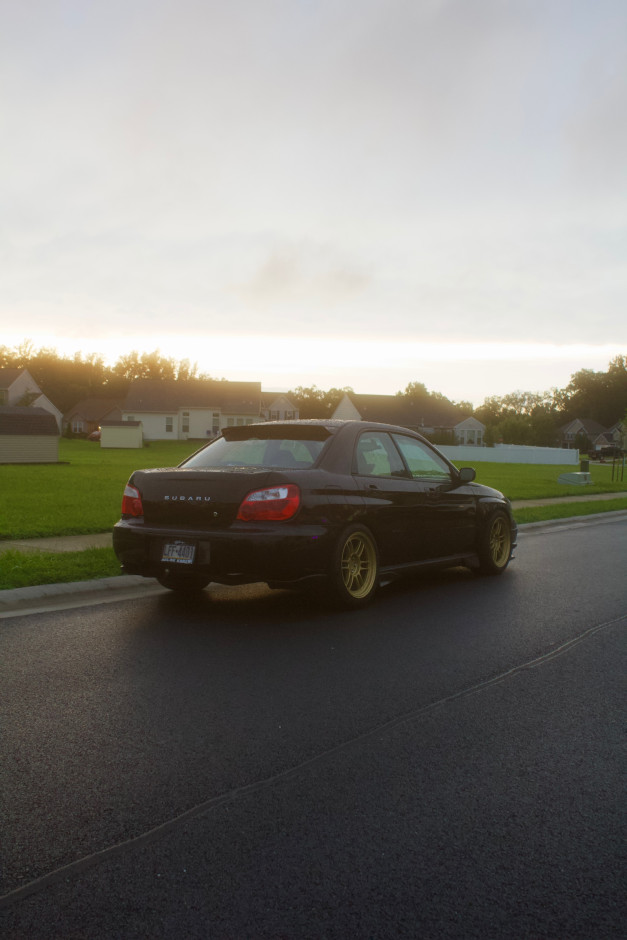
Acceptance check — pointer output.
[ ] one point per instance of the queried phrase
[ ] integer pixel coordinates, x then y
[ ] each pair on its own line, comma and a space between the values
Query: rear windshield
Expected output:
261, 450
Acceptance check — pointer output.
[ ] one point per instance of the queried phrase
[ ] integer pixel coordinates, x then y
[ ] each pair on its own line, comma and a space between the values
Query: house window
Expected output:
77, 426
275, 415
168, 424
230, 422
129, 418
240, 421
290, 415
185, 425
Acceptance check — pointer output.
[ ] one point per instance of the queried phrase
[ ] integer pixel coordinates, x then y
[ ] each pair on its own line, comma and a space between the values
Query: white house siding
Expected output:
21, 448
279, 409
24, 384
203, 423
231, 421
154, 425
346, 411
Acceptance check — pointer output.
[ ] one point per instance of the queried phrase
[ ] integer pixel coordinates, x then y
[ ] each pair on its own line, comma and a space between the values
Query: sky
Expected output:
358, 193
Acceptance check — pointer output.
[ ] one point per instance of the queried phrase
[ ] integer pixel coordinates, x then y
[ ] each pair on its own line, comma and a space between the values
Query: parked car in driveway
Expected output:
343, 503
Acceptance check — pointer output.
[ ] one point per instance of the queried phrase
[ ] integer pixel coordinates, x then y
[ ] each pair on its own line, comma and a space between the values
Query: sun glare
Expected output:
379, 366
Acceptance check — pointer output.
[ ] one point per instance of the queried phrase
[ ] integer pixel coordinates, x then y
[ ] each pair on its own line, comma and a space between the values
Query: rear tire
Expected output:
354, 577
495, 544
182, 583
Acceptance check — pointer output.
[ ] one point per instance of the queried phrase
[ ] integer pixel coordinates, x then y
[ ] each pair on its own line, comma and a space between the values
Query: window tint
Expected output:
423, 463
376, 456
277, 453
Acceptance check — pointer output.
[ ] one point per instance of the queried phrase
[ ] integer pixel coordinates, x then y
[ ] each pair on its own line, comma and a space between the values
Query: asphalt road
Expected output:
449, 763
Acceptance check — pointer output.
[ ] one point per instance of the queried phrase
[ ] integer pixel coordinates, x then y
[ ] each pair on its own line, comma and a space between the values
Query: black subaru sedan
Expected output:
345, 504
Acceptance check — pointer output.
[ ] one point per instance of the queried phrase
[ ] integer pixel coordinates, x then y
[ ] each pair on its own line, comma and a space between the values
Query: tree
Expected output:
601, 396
313, 402
415, 391
145, 366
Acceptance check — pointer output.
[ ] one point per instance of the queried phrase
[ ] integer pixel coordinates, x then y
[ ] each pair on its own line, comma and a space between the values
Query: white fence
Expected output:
510, 453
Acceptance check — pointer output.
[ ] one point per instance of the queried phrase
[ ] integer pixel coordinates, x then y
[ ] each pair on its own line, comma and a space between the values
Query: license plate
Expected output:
181, 553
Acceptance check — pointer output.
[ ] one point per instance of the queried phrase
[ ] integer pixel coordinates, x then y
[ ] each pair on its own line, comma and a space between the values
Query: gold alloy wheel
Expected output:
358, 565
500, 542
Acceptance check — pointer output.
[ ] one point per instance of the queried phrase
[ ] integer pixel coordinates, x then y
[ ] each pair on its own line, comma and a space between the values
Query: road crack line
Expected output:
152, 835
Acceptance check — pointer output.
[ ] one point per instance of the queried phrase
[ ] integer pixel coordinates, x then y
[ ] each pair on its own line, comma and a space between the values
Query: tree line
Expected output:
520, 417
66, 380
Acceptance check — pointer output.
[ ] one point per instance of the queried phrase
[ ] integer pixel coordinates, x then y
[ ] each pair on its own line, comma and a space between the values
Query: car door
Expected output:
450, 507
397, 507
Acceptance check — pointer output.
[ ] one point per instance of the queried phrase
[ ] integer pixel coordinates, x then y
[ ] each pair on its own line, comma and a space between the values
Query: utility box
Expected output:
579, 479
584, 466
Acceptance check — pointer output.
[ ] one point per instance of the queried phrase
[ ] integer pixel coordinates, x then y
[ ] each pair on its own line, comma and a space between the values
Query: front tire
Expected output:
182, 583
354, 574
495, 544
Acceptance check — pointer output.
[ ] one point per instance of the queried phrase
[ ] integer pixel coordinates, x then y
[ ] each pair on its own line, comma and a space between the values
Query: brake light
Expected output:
132, 502
274, 503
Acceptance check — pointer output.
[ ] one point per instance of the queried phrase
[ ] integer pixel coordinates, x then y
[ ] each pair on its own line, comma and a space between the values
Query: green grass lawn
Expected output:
23, 569
539, 481
81, 495
567, 510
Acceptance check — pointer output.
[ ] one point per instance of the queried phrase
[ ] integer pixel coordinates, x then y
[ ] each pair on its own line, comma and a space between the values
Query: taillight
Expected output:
272, 503
132, 502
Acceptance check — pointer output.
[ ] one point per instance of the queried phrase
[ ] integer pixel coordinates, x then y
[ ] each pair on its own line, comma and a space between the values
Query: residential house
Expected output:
18, 387
469, 431
28, 435
613, 438
193, 409
276, 407
88, 414
595, 436
425, 415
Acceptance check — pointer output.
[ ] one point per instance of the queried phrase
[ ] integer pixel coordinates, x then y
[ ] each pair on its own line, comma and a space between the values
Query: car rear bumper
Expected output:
254, 552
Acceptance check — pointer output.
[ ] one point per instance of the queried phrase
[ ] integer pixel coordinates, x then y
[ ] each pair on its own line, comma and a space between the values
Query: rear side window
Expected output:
275, 453
376, 456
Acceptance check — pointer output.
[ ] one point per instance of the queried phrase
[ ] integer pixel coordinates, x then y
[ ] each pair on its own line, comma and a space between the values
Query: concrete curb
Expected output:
76, 593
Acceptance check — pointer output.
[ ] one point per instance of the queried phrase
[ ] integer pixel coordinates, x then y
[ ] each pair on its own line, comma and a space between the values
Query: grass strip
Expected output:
567, 510
27, 569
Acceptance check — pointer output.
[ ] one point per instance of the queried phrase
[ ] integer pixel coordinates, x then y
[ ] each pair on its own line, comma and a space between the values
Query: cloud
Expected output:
307, 275
433, 170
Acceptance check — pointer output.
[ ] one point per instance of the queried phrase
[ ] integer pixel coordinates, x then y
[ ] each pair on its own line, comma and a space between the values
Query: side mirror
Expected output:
466, 475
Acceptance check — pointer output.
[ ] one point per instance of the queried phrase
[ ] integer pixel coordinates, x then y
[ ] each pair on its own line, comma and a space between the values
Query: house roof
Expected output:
8, 377
168, 396
27, 421
587, 425
121, 424
94, 409
269, 398
396, 409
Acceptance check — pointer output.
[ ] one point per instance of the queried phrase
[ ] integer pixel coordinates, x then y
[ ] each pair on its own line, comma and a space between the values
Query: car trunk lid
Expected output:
196, 499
